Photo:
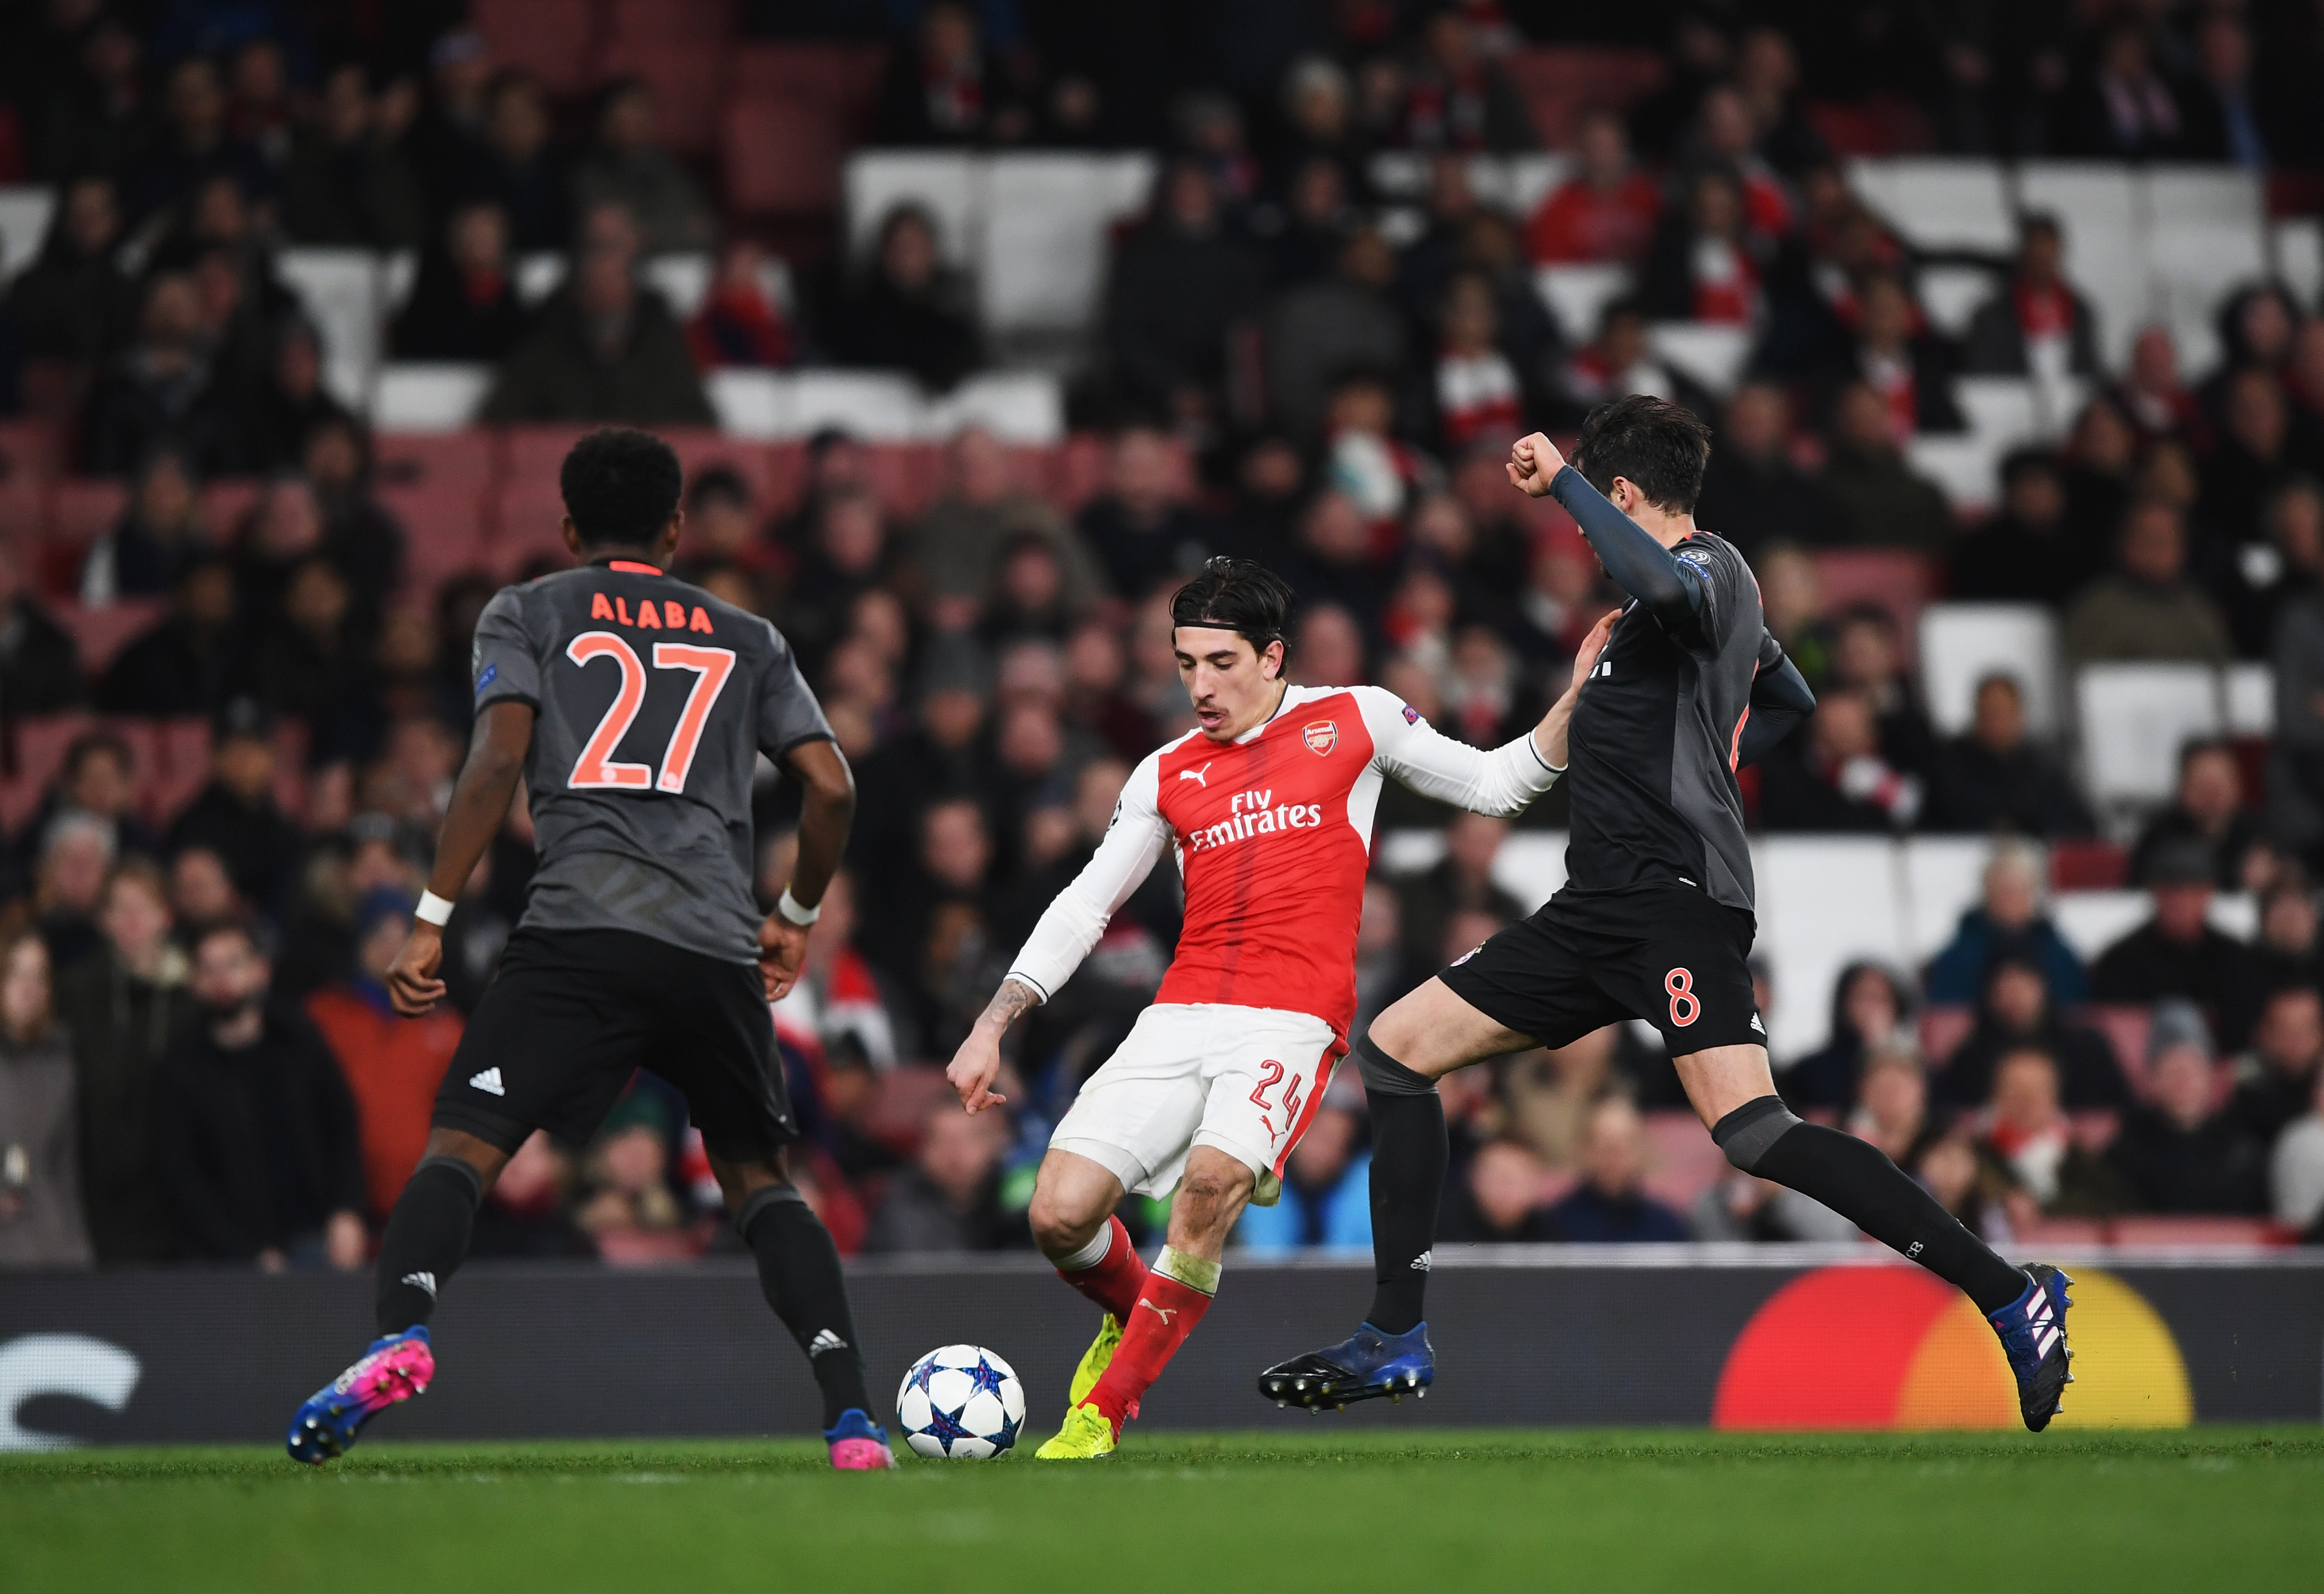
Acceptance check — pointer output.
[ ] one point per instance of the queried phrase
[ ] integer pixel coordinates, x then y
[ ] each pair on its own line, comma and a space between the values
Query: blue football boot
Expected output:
394, 1369
858, 1445
1365, 1365
2032, 1329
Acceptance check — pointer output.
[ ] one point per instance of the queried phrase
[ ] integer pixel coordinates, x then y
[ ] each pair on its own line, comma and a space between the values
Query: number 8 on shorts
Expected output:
1685, 1007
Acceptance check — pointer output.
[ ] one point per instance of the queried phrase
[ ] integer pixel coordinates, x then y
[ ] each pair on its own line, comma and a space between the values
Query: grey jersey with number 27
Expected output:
651, 700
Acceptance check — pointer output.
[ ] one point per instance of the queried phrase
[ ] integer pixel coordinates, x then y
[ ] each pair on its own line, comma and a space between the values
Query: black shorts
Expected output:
1668, 954
572, 1013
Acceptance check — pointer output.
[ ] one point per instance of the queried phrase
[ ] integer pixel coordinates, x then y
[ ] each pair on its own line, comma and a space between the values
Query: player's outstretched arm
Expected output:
479, 807
1669, 589
826, 813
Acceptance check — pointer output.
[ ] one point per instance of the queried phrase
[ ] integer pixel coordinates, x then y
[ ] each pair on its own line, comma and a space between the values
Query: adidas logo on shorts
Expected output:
488, 1081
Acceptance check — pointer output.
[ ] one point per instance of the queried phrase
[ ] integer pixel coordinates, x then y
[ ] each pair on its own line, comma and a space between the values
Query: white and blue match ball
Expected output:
960, 1403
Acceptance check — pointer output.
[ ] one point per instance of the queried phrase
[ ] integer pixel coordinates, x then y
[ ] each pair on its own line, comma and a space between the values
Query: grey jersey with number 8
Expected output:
653, 700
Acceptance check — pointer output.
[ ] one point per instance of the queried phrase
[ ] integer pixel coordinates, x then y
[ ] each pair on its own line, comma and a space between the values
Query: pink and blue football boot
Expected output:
394, 1369
858, 1445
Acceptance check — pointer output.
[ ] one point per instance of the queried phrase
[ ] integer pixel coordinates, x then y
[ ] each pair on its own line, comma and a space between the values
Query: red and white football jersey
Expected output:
1272, 833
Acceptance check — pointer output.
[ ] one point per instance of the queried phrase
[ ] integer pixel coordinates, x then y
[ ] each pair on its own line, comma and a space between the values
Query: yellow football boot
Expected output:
1086, 1436
1095, 1360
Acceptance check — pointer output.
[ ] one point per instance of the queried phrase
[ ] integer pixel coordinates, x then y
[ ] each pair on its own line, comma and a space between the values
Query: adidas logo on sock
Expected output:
1425, 1261
1756, 1025
488, 1081
425, 1281
825, 1340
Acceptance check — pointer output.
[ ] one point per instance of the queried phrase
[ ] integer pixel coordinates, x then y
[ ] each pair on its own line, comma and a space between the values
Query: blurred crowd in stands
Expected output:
196, 1057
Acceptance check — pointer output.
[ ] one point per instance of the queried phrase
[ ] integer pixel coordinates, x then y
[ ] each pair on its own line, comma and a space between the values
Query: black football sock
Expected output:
426, 1241
1409, 1153
799, 1270
1856, 1179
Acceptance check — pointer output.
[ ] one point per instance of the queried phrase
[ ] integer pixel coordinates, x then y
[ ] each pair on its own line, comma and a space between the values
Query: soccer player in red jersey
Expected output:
1267, 809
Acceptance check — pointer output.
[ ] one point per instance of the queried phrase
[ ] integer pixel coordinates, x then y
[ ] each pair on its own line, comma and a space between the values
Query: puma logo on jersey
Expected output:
488, 1081
1164, 1312
1199, 777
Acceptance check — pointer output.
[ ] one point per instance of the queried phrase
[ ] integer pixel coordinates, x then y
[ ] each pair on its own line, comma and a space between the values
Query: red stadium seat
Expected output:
2045, 1233
531, 456
786, 475
31, 751
28, 451
551, 39
99, 634
1682, 1160
526, 525
2125, 1027
443, 531
783, 156
226, 503
1560, 82
906, 477
703, 23
685, 77
843, 78
1943, 1027
1901, 583
81, 510
2088, 865
434, 459
22, 500
698, 449
178, 768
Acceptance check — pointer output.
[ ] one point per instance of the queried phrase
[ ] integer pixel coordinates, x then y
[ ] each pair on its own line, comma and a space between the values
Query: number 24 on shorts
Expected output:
1685, 1007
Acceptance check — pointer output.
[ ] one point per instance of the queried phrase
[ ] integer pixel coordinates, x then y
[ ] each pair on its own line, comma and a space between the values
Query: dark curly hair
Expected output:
620, 487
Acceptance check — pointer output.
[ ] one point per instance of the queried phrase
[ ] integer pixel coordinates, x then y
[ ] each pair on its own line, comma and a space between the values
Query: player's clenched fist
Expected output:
411, 983
1534, 464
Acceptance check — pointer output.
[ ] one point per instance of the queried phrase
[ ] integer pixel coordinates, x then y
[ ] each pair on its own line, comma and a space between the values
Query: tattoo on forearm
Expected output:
1012, 999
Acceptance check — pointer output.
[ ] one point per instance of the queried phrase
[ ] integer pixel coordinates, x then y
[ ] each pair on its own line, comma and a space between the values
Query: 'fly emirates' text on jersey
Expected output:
652, 700
1273, 834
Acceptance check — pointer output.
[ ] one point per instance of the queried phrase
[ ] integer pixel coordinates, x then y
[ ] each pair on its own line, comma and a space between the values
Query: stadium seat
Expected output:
1895, 579
2133, 719
1999, 409
2081, 863
1025, 407
2207, 236
683, 279
1577, 295
1943, 1026
1963, 643
908, 1092
532, 455
436, 460
1950, 294
782, 156
25, 214
2297, 244
1517, 183
443, 530
2125, 1025
844, 79
31, 751
1940, 203
429, 398
1076, 473
1966, 465
226, 503
1400, 175
1707, 352
2248, 690
1681, 1159
28, 451
81, 510
340, 290
2099, 205
1824, 902
2094, 1128
1944, 877
700, 447
751, 404
2073, 1233
906, 477
948, 184
687, 78
181, 764
878, 405
399, 269
551, 39
99, 634
1041, 260
1560, 82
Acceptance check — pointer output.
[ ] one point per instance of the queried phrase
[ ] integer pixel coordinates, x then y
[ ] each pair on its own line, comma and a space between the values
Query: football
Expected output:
960, 1403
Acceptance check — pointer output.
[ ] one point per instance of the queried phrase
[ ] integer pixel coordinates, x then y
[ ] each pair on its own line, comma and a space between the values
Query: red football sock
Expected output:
1166, 1312
1114, 1280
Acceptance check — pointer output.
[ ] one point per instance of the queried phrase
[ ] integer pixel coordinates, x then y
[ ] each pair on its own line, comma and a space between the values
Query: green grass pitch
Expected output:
1426, 1510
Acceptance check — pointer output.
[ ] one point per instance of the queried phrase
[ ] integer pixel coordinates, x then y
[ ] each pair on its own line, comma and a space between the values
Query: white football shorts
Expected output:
1244, 1080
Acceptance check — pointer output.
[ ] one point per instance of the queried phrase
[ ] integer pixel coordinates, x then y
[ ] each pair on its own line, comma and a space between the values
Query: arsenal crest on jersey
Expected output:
1322, 736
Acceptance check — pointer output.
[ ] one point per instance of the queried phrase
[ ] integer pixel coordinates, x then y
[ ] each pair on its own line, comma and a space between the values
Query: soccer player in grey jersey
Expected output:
635, 708
1654, 922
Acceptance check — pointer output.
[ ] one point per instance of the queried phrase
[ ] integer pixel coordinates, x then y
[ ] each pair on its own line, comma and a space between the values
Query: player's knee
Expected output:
1748, 1133
1382, 1073
1212, 1193
1061, 1224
